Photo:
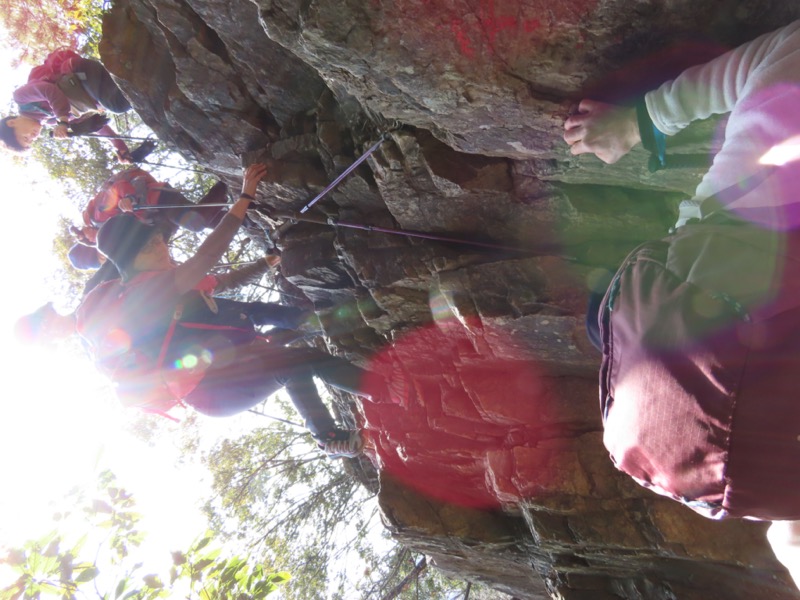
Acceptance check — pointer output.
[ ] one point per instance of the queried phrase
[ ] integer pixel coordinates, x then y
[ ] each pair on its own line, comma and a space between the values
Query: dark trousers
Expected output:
98, 83
263, 313
245, 376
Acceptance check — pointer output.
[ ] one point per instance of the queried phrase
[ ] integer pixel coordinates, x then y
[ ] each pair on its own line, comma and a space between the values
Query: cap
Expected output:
121, 238
84, 257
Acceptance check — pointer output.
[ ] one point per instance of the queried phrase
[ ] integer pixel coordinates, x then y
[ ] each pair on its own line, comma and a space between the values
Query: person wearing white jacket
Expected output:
756, 173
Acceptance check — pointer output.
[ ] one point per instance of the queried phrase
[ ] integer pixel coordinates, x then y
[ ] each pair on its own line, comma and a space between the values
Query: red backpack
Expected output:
57, 63
139, 377
132, 354
699, 385
134, 182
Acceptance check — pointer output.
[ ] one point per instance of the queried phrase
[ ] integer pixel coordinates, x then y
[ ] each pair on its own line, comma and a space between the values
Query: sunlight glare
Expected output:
783, 153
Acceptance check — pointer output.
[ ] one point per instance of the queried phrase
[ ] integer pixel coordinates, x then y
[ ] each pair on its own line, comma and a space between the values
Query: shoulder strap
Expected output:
176, 316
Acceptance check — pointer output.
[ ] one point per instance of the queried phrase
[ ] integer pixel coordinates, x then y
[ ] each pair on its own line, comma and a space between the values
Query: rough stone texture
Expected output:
488, 451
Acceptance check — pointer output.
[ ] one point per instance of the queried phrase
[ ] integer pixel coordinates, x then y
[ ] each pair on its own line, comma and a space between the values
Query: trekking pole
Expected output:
542, 248
192, 205
278, 290
110, 137
234, 264
155, 164
347, 171
413, 234
260, 414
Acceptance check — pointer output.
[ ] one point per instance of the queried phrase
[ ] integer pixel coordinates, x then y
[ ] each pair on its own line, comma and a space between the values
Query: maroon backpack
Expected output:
700, 380
57, 63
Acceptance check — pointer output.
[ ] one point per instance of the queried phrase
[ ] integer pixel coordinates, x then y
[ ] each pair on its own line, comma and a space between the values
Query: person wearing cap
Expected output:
69, 102
223, 366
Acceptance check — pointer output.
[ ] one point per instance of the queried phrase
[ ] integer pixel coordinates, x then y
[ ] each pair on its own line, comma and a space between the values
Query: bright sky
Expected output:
59, 423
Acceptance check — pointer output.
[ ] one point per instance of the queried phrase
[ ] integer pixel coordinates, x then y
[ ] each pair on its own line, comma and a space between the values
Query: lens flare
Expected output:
783, 153
189, 361
459, 426
116, 341
440, 308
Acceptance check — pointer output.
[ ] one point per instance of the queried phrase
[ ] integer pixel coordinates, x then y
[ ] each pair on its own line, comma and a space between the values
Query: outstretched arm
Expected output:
238, 278
189, 274
46, 92
717, 86
123, 153
712, 88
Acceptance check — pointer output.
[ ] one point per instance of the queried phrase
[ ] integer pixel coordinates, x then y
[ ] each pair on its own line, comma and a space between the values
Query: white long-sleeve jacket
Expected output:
759, 84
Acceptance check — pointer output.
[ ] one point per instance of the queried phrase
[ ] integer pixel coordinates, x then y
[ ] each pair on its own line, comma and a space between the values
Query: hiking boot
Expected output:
345, 444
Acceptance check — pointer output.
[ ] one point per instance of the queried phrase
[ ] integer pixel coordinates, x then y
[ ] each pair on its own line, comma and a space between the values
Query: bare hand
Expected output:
251, 177
273, 260
126, 204
605, 130
90, 234
61, 132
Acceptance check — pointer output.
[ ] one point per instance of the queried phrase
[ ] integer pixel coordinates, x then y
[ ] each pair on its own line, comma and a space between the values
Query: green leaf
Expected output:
279, 577
202, 543
263, 588
87, 575
123, 583
202, 564
214, 554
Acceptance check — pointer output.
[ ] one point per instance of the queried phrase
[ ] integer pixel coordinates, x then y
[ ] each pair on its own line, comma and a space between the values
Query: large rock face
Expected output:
489, 454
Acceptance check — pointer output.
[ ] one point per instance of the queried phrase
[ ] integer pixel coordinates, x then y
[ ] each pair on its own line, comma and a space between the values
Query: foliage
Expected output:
277, 493
36, 27
45, 566
80, 164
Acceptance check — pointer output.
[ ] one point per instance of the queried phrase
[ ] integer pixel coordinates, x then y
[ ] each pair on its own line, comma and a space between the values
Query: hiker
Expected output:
135, 188
283, 319
71, 93
698, 330
200, 351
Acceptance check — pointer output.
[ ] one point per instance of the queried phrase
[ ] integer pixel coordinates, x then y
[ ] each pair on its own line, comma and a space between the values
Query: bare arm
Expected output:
189, 274
44, 91
237, 278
